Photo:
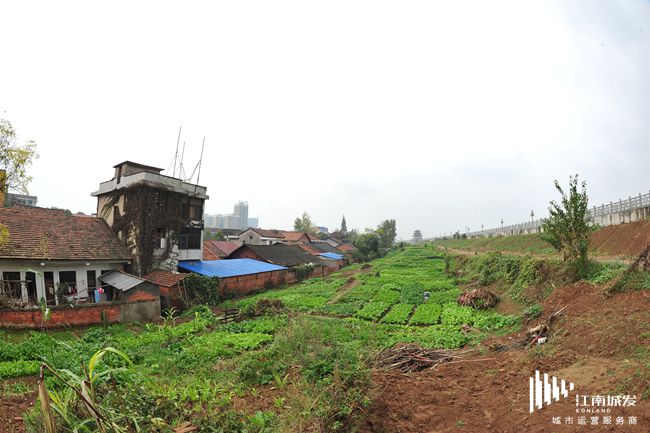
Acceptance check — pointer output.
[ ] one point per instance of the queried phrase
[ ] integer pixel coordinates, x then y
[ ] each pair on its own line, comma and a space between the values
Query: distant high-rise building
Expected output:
237, 220
241, 212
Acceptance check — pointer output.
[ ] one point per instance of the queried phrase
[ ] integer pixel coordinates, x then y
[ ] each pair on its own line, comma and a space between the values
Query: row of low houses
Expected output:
132, 257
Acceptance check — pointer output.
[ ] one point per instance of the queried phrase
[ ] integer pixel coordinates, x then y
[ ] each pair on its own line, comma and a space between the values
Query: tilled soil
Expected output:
600, 344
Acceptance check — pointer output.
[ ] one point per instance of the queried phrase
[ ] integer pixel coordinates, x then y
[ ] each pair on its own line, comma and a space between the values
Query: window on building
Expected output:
91, 276
159, 238
189, 239
11, 285
69, 279
193, 209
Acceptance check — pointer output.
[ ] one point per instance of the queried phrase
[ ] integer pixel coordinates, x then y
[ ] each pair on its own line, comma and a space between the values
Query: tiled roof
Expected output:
346, 247
293, 236
312, 237
316, 248
268, 233
309, 249
215, 250
282, 254
164, 278
48, 234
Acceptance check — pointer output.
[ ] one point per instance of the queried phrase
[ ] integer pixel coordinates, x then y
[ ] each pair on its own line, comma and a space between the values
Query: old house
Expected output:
158, 218
291, 237
217, 250
239, 276
172, 288
49, 255
253, 236
291, 256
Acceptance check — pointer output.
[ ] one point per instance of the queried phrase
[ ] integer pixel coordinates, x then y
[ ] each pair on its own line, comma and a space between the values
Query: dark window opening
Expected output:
49, 287
11, 285
31, 287
192, 209
159, 237
68, 280
189, 239
91, 280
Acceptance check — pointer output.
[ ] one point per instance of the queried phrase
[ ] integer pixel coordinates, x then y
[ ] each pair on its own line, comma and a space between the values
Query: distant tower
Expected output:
241, 212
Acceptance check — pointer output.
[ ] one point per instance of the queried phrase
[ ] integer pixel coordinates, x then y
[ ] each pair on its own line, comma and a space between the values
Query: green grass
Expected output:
529, 244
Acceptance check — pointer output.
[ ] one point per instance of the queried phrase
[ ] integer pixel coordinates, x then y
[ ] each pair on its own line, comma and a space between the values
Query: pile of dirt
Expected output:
627, 240
479, 299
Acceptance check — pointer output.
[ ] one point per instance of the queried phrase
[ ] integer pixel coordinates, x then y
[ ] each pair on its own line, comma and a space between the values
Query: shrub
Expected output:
203, 290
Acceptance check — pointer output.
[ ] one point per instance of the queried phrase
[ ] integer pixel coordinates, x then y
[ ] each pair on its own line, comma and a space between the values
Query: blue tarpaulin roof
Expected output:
332, 256
229, 267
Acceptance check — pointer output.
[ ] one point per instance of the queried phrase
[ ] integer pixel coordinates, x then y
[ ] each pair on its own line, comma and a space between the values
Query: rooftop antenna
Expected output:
198, 165
181, 169
176, 154
198, 176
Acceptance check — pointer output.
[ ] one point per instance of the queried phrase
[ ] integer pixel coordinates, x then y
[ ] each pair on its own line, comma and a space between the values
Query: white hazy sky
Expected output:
442, 115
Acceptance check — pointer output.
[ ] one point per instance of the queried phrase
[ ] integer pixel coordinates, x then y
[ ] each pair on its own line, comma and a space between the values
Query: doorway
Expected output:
49, 288
30, 278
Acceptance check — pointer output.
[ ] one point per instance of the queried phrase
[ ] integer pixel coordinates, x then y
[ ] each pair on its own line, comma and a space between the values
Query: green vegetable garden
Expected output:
311, 358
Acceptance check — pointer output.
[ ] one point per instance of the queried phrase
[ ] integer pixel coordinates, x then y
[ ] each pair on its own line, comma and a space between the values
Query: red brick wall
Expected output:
61, 316
79, 315
252, 283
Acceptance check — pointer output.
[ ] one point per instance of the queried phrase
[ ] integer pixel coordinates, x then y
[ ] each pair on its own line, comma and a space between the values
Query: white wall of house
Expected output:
40, 268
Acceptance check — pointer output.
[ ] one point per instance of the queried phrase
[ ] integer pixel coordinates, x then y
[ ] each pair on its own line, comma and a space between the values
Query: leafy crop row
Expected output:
399, 314
373, 310
426, 314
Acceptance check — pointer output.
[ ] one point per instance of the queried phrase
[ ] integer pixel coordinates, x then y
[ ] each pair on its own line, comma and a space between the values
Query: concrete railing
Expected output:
624, 210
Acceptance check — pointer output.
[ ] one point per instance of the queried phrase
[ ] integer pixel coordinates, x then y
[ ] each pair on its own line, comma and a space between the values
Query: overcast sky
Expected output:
442, 115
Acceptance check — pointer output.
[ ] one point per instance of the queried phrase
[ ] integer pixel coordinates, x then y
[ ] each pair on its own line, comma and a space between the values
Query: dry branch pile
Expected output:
411, 357
478, 298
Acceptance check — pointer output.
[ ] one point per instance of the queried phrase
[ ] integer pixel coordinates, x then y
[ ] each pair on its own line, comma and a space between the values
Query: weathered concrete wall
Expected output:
144, 311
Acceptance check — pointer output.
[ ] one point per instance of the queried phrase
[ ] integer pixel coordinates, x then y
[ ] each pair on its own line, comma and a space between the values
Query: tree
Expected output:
344, 226
417, 236
304, 224
387, 232
368, 244
210, 235
567, 227
352, 235
15, 159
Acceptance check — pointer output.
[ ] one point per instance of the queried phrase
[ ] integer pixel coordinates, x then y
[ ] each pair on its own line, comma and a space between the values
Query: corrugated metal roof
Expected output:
333, 256
229, 267
121, 280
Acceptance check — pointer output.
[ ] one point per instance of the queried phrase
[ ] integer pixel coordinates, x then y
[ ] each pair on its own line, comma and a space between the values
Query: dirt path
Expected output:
600, 344
350, 284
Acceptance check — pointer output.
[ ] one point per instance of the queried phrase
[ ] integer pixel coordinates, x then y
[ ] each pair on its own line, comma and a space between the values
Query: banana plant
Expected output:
78, 388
